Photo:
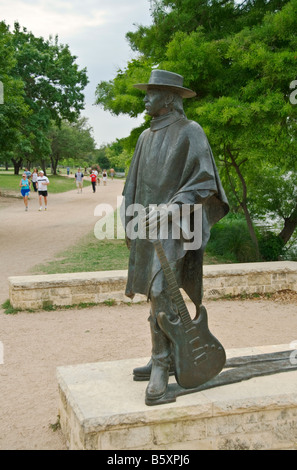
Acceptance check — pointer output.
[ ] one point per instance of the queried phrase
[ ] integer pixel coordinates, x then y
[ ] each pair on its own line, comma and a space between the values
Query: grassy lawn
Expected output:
90, 254
58, 184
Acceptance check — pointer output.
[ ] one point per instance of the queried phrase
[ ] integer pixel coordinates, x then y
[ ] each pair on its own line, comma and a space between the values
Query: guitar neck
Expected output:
172, 284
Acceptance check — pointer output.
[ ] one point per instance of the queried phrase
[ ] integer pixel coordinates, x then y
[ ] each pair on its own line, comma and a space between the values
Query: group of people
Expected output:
95, 178
40, 183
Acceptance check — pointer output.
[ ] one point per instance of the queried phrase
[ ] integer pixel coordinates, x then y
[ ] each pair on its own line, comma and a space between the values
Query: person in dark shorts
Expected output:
42, 183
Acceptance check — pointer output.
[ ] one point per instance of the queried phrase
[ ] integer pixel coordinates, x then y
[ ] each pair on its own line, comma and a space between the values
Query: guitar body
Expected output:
198, 355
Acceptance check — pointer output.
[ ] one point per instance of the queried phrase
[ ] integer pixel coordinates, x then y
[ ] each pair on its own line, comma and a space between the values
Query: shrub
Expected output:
271, 246
231, 240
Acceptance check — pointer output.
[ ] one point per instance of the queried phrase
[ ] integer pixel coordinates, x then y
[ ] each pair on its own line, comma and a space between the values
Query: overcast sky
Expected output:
95, 32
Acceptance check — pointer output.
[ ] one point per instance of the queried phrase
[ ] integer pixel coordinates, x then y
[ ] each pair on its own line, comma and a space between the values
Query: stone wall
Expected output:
36, 292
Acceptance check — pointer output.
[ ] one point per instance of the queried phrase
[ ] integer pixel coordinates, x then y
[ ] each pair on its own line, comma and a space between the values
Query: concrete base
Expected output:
101, 407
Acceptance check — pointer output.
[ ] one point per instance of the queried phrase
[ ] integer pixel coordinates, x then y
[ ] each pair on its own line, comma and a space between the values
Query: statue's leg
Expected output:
143, 373
161, 345
158, 292
161, 351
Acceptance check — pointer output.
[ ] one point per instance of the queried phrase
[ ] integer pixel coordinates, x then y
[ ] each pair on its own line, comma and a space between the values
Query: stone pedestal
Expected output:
101, 407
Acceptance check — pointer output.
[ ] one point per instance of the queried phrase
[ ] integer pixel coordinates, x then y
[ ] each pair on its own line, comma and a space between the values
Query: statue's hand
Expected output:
157, 217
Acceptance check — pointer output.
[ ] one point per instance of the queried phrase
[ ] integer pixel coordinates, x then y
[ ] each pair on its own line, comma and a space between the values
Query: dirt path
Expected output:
35, 344
29, 238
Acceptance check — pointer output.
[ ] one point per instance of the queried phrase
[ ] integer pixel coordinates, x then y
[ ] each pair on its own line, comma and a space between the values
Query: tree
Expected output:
71, 141
117, 156
252, 125
240, 59
52, 86
101, 157
217, 18
13, 109
268, 200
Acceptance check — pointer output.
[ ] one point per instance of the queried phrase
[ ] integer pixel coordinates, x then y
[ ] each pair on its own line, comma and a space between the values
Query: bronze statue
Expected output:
172, 168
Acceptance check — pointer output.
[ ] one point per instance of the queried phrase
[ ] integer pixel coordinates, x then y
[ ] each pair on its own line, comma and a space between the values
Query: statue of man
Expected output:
172, 166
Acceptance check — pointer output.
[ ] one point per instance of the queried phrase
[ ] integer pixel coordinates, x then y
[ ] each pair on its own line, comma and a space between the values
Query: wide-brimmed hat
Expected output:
168, 80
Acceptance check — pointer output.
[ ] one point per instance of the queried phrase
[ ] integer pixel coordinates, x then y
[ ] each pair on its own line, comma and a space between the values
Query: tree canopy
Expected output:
42, 83
241, 60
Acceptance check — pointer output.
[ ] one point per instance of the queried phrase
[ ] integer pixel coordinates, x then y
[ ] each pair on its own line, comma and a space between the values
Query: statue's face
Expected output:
155, 102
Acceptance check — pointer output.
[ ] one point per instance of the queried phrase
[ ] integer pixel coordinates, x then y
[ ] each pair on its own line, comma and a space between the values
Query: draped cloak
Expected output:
172, 164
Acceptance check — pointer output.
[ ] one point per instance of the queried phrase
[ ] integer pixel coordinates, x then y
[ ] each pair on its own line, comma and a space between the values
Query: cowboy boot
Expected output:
143, 373
161, 352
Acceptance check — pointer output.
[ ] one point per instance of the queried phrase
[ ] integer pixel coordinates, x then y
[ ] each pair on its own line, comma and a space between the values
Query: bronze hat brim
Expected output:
184, 92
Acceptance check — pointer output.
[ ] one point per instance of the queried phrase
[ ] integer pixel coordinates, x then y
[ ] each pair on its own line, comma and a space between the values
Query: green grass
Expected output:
49, 307
8, 308
90, 254
58, 184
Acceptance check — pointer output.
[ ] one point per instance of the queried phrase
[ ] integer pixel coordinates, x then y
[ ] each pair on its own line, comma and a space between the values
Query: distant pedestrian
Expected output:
112, 172
42, 184
34, 179
97, 174
93, 177
28, 173
68, 170
79, 180
25, 185
104, 177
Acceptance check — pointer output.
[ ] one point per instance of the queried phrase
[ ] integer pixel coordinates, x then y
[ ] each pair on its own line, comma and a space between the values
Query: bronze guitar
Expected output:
198, 355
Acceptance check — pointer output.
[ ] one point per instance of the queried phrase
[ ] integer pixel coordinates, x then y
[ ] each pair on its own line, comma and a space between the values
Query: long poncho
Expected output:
172, 164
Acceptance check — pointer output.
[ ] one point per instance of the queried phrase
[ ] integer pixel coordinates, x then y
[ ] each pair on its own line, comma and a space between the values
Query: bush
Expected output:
230, 239
271, 246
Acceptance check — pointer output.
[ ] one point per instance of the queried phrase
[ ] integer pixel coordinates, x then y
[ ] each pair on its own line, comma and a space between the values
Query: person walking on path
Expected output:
97, 170
93, 177
25, 185
42, 183
79, 180
28, 173
104, 177
34, 179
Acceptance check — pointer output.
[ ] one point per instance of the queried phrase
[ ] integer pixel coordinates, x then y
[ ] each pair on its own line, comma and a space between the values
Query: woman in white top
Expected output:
34, 179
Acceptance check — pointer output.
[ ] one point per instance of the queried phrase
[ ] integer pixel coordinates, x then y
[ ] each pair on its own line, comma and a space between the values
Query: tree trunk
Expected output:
243, 203
43, 166
17, 165
54, 162
289, 227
